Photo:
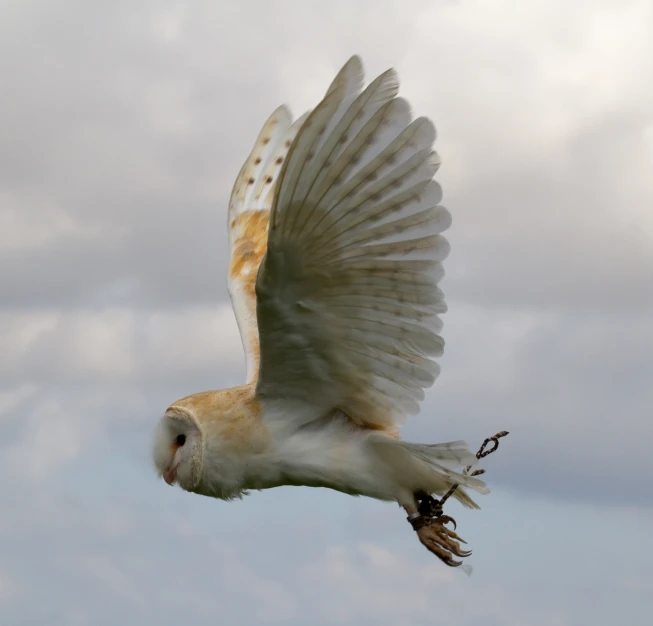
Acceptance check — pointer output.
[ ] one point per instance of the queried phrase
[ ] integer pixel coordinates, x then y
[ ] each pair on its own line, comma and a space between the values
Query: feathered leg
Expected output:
427, 518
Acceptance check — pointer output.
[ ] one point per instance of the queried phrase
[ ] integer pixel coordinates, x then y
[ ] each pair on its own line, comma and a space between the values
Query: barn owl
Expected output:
336, 251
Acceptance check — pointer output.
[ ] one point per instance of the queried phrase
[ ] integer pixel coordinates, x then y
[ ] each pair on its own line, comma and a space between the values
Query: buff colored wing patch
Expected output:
249, 209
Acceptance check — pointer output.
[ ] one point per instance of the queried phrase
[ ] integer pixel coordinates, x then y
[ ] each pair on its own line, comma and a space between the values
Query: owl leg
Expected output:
428, 520
430, 524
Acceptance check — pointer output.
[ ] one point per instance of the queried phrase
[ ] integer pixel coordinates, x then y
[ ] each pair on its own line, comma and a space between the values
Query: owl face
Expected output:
178, 449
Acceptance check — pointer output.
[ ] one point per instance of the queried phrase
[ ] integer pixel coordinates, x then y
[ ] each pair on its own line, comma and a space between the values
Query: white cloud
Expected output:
118, 343
373, 583
73, 379
22, 230
115, 579
52, 436
376, 585
12, 398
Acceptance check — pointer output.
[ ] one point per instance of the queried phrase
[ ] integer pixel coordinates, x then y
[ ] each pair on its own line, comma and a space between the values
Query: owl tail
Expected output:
432, 468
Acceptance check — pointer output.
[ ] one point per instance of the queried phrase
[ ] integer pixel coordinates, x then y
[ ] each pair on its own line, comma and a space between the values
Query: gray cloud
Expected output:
107, 555
574, 395
124, 125
119, 162
137, 141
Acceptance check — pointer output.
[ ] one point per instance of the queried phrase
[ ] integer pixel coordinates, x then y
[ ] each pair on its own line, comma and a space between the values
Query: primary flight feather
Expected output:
336, 249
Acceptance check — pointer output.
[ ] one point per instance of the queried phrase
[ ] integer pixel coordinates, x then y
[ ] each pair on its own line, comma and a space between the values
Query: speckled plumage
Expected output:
336, 249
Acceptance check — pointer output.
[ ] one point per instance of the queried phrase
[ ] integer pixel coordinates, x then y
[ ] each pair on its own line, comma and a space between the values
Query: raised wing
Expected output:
249, 209
347, 295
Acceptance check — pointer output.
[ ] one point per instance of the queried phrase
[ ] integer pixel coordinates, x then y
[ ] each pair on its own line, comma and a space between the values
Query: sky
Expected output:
123, 126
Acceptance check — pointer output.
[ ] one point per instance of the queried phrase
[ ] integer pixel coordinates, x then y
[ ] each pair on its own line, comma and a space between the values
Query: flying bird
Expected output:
336, 249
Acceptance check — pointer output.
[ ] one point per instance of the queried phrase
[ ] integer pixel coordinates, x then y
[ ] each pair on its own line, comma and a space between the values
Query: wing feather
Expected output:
348, 301
249, 209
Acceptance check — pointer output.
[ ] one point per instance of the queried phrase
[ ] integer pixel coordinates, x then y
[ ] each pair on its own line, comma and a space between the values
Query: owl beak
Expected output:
170, 475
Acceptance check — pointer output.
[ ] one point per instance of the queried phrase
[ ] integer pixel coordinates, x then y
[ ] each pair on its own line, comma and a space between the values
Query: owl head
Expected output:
178, 448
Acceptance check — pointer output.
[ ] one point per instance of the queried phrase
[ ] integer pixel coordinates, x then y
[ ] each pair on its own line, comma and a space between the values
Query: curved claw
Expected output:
453, 546
439, 540
453, 535
457, 551
434, 547
446, 519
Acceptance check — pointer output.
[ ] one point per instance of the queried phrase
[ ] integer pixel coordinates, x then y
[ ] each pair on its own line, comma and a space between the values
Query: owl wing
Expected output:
249, 209
347, 295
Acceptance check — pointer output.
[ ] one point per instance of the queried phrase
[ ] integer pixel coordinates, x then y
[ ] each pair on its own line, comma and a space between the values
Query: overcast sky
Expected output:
122, 126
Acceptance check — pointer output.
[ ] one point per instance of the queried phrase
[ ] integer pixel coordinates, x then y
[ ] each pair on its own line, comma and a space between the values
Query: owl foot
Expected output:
438, 539
430, 522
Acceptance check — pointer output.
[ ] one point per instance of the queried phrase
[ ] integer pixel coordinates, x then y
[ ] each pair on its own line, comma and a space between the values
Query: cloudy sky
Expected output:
123, 124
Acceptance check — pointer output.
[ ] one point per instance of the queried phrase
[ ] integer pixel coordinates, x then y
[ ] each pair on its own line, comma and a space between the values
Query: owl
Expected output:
336, 248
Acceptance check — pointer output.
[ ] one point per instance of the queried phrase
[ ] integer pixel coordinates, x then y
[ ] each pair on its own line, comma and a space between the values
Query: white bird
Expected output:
336, 249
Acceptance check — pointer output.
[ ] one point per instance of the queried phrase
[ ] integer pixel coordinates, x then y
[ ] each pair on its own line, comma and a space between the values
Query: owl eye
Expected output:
181, 439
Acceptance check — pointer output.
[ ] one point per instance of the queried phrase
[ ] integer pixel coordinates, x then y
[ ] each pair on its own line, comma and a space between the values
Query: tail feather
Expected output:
433, 468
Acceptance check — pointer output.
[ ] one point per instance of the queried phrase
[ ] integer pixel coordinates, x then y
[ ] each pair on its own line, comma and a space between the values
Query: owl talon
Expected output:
439, 540
446, 519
